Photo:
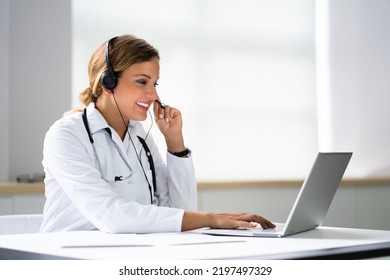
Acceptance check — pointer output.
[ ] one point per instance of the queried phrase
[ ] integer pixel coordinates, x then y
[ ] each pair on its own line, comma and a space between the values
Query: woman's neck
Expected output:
113, 117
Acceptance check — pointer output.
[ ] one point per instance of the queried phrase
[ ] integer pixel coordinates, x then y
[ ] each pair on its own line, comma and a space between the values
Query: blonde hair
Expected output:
125, 51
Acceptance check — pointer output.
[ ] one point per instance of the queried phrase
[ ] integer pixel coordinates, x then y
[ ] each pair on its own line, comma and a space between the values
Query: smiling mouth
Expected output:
142, 104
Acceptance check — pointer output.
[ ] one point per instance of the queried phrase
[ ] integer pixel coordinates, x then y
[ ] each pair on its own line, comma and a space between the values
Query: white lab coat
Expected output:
79, 197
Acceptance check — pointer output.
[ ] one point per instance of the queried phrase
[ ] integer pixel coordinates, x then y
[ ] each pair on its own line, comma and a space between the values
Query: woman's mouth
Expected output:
142, 104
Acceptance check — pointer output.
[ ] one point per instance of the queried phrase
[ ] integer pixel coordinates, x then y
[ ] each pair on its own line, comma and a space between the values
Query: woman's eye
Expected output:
145, 82
142, 82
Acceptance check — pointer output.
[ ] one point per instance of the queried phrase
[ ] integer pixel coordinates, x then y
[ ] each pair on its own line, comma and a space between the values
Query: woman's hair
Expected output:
124, 51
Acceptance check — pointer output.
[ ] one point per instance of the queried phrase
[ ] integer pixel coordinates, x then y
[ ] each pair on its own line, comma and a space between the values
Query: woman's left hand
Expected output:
170, 123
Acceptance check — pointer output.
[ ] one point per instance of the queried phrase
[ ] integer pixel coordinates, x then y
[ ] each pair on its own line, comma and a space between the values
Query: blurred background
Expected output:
263, 86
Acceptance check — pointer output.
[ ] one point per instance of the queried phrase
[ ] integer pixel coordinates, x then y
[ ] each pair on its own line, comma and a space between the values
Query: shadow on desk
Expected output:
330, 233
357, 252
10, 254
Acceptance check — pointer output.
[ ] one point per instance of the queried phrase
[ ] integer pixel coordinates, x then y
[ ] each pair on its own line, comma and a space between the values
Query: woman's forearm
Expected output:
195, 219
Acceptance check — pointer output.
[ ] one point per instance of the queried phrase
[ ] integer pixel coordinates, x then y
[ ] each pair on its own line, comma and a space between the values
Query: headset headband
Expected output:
109, 77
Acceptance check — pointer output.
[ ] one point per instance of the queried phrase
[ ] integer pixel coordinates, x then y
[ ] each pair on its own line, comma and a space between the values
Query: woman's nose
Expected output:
152, 93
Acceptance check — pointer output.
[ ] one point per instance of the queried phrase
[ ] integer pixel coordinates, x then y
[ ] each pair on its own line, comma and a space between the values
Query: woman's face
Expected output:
136, 89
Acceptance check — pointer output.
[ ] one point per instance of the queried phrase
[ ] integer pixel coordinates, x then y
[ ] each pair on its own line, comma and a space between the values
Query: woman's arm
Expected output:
176, 182
169, 121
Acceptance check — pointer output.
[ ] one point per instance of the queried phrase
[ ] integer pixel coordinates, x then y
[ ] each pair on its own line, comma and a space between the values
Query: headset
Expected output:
110, 81
109, 77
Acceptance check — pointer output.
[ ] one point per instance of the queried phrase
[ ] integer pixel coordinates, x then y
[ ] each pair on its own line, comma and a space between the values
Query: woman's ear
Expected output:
107, 91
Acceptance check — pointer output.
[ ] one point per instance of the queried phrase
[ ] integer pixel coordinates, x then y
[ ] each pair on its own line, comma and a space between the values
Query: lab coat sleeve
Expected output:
71, 166
181, 175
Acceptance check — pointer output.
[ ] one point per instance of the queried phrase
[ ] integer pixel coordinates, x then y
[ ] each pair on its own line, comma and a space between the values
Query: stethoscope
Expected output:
153, 197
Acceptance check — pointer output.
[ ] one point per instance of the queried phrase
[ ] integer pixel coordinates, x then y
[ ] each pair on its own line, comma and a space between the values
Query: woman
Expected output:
103, 171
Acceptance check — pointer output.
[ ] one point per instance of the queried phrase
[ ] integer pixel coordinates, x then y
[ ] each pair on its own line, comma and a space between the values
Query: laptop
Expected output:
311, 204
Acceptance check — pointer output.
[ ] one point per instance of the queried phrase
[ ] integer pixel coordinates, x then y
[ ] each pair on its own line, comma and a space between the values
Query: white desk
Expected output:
324, 242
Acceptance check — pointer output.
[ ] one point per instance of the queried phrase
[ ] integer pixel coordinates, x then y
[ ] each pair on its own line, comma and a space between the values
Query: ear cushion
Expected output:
109, 80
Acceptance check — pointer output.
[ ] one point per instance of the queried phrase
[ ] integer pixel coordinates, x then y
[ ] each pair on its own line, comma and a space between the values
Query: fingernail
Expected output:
161, 116
167, 120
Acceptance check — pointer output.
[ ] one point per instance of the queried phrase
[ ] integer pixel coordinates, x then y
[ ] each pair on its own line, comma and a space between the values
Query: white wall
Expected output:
4, 92
353, 67
36, 37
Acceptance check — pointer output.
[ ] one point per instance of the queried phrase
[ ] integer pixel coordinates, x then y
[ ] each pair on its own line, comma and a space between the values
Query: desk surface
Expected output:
324, 242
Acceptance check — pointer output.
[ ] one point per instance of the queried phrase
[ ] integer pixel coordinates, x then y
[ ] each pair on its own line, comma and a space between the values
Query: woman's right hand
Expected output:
237, 220
194, 220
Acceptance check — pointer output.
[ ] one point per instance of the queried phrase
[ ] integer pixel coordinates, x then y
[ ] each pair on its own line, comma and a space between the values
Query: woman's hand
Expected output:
237, 220
170, 123
194, 220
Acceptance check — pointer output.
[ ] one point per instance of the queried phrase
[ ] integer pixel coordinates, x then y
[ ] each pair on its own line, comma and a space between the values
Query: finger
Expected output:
157, 110
165, 113
229, 223
258, 219
266, 224
244, 224
174, 113
170, 113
